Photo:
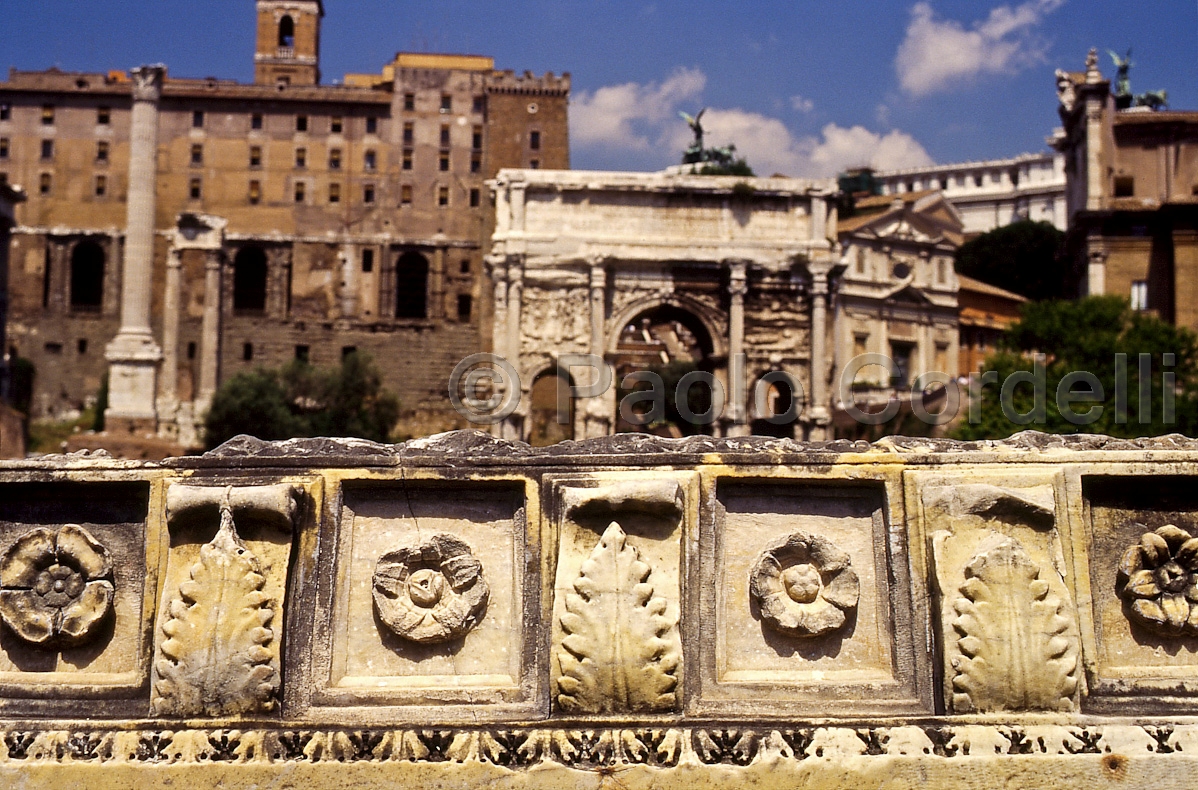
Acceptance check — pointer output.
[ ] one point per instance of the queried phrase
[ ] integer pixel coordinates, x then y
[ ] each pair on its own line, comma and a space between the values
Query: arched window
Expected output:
249, 280
87, 277
411, 286
287, 32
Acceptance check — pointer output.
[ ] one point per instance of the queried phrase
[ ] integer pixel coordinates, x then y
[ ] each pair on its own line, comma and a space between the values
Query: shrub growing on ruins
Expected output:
301, 400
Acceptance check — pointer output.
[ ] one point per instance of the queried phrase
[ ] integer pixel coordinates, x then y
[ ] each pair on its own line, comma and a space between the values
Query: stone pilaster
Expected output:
513, 425
133, 355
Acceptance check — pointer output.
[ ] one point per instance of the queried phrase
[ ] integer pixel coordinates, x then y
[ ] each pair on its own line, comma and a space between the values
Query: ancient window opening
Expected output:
476, 162
301, 353
249, 280
552, 409
409, 133
347, 351
255, 192
411, 285
368, 193
534, 141
367, 261
442, 196
87, 277
443, 163
197, 154
301, 123
446, 103
474, 198
47, 115
47, 149
335, 159
301, 158
535, 164
101, 186
197, 119
371, 160
444, 135
256, 121
43, 183
5, 112
3, 148
81, 345
476, 138
334, 193
103, 116
1139, 295
464, 266
194, 189
900, 363
1125, 186
372, 125
191, 350
465, 304
255, 156
247, 352
405, 194
287, 32
102, 151
407, 159
480, 104
335, 125
409, 101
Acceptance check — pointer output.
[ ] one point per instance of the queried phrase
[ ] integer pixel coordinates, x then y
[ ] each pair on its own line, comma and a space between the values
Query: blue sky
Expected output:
802, 87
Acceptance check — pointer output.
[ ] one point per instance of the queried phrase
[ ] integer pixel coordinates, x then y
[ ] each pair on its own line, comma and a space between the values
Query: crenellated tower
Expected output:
288, 49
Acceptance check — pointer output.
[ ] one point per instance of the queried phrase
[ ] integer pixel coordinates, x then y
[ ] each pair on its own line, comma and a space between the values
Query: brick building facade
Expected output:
351, 216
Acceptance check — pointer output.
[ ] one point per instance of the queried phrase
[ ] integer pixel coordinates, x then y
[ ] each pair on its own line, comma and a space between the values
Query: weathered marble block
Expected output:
628, 612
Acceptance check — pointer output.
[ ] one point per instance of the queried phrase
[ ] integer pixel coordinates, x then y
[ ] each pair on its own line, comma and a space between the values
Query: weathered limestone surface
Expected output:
622, 612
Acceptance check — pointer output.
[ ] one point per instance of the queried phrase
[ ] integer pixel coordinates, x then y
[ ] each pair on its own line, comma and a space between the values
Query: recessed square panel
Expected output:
74, 586
802, 600
429, 598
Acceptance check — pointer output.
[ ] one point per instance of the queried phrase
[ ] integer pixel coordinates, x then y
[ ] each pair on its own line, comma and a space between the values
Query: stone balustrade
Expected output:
622, 612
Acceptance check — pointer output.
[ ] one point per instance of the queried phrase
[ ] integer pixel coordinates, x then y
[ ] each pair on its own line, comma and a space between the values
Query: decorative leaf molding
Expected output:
619, 653
215, 660
1018, 641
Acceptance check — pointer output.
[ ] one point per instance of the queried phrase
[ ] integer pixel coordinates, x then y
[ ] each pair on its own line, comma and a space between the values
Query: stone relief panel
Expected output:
1008, 629
73, 588
616, 645
558, 319
220, 624
432, 600
798, 598
1144, 587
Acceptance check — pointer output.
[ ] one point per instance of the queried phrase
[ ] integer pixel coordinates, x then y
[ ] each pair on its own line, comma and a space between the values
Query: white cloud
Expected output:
938, 54
640, 124
801, 104
633, 115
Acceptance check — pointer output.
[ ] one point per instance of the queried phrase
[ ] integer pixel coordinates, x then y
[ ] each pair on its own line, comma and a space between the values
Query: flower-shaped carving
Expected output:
1158, 577
804, 586
432, 592
55, 586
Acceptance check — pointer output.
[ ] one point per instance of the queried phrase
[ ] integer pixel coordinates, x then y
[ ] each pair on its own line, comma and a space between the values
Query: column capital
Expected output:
147, 82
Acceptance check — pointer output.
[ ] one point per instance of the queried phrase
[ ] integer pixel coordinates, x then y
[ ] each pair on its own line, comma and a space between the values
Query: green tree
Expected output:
302, 400
1025, 257
1087, 336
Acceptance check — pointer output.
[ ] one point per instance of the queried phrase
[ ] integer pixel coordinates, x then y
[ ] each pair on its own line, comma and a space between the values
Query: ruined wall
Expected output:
466, 610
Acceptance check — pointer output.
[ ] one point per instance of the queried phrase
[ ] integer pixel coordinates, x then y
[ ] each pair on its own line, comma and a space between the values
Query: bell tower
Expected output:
288, 51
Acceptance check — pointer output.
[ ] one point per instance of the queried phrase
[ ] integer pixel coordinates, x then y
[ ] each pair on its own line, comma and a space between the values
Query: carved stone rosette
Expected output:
804, 586
431, 592
1158, 577
56, 586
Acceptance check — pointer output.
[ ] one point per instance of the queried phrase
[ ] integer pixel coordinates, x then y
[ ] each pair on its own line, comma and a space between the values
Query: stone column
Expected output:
497, 268
598, 292
818, 412
515, 290
168, 392
735, 404
133, 355
597, 412
1095, 99
210, 332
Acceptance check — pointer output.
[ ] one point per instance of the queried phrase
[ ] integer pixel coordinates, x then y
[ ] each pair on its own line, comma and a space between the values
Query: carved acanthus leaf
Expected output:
1018, 642
215, 659
620, 652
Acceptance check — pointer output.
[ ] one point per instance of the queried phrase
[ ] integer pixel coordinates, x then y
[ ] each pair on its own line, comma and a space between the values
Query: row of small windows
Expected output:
478, 104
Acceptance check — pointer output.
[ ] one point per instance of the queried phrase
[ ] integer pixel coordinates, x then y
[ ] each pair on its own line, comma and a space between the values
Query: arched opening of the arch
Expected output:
411, 285
249, 280
87, 277
670, 342
551, 412
287, 32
